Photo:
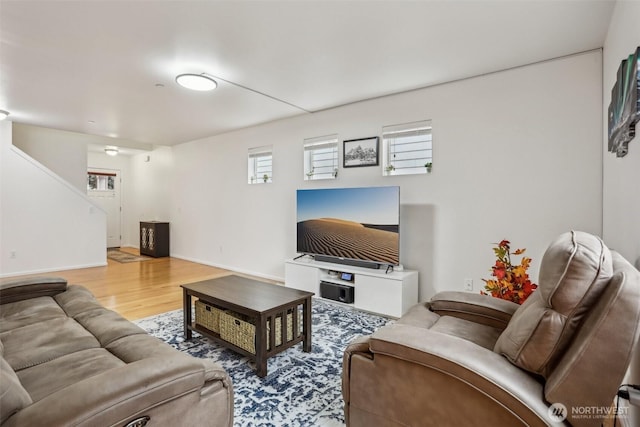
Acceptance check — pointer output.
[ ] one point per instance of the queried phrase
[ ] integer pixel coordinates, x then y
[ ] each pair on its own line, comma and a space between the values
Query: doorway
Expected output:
103, 187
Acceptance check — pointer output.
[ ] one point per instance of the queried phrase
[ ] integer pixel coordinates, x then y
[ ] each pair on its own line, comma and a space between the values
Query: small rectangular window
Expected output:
321, 157
100, 181
260, 165
407, 148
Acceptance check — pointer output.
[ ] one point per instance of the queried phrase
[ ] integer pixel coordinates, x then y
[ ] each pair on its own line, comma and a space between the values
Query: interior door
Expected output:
104, 188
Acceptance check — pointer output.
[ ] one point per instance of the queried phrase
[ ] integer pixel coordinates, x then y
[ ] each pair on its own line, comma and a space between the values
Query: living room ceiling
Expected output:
108, 68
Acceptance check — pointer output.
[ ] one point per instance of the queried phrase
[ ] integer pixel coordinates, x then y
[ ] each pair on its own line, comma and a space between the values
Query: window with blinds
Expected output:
260, 166
321, 157
407, 148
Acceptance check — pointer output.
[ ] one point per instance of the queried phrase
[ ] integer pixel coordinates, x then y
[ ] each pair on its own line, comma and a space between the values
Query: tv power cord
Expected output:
630, 393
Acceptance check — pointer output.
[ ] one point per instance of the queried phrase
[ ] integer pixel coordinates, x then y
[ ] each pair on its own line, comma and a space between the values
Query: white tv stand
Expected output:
390, 294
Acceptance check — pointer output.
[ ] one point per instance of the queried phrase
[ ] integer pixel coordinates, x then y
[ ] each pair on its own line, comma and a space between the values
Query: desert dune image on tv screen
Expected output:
352, 223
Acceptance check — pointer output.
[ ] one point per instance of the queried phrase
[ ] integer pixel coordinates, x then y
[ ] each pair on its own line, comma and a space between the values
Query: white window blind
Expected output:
260, 166
321, 157
407, 148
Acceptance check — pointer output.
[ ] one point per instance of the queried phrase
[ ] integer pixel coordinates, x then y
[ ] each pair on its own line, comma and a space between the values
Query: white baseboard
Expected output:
51, 270
229, 267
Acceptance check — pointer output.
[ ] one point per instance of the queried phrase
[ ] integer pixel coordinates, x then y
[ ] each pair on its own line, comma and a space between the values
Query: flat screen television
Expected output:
624, 109
358, 226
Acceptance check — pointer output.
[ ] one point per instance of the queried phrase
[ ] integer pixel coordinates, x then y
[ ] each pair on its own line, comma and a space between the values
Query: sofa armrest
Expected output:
477, 308
116, 396
214, 372
487, 372
12, 290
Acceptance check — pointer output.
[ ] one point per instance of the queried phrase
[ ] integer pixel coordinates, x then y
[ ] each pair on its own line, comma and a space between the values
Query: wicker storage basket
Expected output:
241, 332
289, 328
208, 316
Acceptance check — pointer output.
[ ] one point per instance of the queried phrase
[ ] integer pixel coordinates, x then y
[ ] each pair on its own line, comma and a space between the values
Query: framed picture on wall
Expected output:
360, 152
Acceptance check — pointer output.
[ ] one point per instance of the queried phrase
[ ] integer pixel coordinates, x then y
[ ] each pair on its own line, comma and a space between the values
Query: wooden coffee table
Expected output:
259, 301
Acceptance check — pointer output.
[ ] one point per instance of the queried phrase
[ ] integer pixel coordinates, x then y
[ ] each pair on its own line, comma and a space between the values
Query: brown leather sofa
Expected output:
472, 360
68, 361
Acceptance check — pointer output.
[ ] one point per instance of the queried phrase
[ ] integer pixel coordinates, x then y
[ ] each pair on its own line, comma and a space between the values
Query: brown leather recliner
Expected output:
474, 360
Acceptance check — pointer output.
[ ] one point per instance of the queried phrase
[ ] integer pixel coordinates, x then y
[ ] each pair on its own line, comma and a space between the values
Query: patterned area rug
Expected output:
119, 256
301, 389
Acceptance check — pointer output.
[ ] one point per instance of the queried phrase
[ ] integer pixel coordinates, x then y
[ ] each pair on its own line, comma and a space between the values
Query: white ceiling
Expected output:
64, 64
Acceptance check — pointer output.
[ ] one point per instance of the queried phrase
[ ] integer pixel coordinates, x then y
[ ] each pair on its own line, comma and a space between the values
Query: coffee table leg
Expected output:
306, 314
261, 347
186, 308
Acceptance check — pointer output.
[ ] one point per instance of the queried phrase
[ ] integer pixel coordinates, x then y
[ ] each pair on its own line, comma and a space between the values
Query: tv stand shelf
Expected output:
390, 294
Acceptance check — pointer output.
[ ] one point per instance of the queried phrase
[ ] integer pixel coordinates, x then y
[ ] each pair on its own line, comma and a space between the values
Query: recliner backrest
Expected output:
574, 272
593, 366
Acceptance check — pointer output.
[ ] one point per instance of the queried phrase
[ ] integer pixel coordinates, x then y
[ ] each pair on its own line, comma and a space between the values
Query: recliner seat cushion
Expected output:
573, 273
38, 343
22, 313
68, 370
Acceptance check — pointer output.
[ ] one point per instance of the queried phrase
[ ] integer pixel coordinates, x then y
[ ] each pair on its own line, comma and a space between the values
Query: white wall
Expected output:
46, 224
621, 210
517, 155
145, 188
148, 190
65, 153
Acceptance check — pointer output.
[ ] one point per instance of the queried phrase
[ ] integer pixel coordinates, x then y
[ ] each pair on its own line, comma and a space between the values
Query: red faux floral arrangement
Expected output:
511, 281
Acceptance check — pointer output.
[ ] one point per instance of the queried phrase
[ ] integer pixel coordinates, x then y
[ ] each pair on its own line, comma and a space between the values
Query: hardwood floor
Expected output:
140, 289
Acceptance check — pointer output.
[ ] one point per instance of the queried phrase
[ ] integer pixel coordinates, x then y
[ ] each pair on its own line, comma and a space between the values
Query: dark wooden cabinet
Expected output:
154, 238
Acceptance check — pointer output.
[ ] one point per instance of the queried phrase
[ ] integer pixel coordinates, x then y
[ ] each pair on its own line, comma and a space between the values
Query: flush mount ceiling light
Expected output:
3, 114
196, 81
111, 151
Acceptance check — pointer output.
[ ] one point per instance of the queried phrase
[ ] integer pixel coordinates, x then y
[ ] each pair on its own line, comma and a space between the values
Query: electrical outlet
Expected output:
12, 254
468, 284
